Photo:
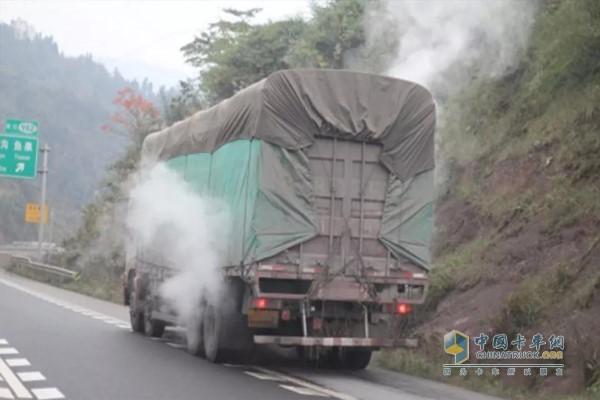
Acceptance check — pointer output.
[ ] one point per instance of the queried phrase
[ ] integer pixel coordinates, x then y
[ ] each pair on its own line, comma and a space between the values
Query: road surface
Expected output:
56, 344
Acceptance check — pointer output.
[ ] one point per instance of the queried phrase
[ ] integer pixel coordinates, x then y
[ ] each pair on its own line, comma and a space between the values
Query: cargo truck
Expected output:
328, 176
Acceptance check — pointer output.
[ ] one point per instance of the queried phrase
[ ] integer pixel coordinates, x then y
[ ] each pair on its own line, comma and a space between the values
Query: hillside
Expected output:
71, 98
518, 221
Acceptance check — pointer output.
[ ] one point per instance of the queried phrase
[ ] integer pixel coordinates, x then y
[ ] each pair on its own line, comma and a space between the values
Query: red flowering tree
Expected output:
135, 117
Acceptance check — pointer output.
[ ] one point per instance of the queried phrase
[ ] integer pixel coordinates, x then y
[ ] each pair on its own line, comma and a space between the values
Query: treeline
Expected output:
71, 97
235, 51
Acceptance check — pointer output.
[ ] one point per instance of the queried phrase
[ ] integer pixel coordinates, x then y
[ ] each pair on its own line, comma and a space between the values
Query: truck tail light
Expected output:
260, 303
403, 308
266, 303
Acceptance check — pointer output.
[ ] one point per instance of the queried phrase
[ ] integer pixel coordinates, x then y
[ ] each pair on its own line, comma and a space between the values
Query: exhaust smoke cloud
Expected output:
448, 45
445, 44
177, 227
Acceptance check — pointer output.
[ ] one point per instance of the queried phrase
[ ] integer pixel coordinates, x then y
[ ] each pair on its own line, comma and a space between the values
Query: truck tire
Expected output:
212, 323
136, 317
350, 358
194, 335
311, 357
225, 330
152, 327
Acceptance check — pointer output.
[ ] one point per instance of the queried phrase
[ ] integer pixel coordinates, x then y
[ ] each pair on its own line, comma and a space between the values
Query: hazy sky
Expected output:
141, 37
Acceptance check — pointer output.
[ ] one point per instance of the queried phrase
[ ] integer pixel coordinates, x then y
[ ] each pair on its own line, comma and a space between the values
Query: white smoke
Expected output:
445, 44
175, 226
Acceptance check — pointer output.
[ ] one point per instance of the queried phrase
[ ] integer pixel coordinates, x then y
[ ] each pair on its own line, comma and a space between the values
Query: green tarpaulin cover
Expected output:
249, 152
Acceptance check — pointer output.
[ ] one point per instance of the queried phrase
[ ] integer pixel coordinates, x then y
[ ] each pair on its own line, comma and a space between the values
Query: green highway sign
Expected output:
19, 127
18, 155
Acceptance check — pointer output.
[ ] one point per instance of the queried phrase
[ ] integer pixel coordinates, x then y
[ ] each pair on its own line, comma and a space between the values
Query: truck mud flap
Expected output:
334, 341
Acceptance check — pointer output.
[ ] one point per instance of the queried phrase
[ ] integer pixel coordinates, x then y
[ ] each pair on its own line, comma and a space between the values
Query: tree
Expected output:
335, 28
96, 249
135, 117
234, 54
184, 103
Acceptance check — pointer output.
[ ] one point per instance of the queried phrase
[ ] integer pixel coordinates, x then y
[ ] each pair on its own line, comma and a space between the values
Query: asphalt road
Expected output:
56, 344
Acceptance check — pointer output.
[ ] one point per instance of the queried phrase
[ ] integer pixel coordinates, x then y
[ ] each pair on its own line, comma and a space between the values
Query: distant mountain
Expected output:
71, 98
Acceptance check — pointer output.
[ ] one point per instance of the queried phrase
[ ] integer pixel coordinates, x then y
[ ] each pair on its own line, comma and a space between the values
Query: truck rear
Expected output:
329, 179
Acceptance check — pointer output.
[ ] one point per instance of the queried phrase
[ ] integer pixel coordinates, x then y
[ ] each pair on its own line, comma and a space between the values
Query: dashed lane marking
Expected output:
31, 376
297, 385
13, 382
47, 394
17, 362
308, 385
71, 307
87, 313
262, 377
5, 393
304, 391
113, 321
104, 318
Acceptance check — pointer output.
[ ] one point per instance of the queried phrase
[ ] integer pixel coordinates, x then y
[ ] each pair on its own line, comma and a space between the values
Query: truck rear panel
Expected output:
350, 187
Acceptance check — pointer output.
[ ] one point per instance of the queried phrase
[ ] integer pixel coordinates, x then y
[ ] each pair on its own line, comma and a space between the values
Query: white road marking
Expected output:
113, 321
263, 377
80, 310
304, 391
13, 382
101, 317
300, 382
5, 394
3, 341
31, 376
47, 394
88, 313
18, 362
8, 350
303, 387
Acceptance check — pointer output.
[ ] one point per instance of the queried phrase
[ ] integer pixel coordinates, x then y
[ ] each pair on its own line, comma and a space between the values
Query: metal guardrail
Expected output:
4, 259
27, 263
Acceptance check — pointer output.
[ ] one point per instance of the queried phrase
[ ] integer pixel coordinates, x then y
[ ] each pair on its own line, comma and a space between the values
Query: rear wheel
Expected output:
225, 331
152, 327
136, 316
194, 335
350, 358
212, 324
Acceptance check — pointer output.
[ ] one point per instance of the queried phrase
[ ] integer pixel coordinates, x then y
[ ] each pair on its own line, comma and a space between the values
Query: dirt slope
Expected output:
517, 248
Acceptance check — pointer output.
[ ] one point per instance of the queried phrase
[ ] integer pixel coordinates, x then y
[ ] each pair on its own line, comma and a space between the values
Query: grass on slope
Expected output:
524, 155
